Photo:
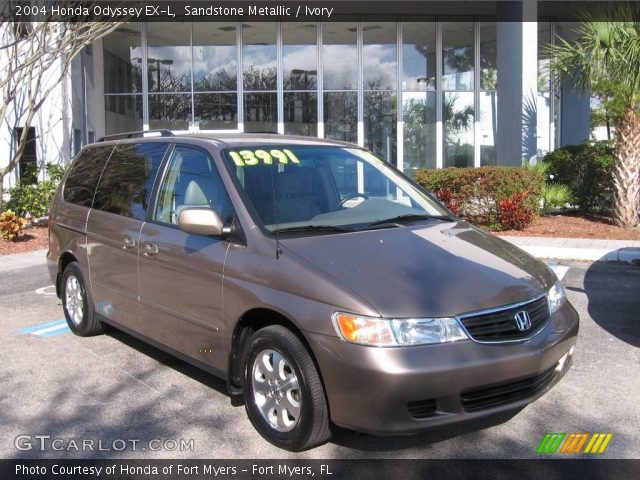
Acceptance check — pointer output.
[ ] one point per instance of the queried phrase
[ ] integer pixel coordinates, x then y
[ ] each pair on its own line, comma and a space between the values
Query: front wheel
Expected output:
78, 304
283, 394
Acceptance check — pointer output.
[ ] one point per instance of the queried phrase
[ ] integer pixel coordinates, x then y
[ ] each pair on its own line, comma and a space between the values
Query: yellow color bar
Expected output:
598, 443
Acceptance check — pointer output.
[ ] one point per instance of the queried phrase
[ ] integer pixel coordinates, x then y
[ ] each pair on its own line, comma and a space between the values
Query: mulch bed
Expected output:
575, 226
33, 238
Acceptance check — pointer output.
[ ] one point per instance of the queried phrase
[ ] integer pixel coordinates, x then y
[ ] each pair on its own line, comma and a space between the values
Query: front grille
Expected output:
503, 393
500, 325
422, 409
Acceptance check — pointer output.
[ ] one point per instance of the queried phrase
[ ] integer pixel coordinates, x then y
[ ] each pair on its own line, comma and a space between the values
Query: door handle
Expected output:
149, 249
128, 242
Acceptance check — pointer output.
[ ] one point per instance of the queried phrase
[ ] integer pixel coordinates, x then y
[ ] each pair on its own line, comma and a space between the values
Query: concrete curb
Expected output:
17, 261
579, 249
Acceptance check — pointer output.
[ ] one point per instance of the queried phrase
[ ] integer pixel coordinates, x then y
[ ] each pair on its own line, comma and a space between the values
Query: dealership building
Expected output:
420, 92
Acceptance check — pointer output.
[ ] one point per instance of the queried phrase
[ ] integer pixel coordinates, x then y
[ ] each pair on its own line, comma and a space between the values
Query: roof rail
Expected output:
121, 136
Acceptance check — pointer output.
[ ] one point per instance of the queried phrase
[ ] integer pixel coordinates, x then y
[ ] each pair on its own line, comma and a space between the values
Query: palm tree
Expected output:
609, 50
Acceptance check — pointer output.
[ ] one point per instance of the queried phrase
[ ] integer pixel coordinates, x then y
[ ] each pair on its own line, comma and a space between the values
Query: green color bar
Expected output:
551, 442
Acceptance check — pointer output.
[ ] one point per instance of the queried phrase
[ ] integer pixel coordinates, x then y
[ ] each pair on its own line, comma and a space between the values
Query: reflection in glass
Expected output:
214, 57
260, 112
301, 113
488, 127
169, 56
123, 113
379, 55
216, 111
457, 56
123, 60
259, 56
419, 118
380, 124
299, 56
339, 56
458, 115
171, 111
488, 56
341, 116
419, 56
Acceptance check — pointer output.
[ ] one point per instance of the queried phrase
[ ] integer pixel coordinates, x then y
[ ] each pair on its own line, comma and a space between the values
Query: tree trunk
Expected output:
1, 193
627, 170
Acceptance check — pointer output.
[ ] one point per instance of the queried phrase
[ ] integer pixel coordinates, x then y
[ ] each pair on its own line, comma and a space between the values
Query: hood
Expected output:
437, 269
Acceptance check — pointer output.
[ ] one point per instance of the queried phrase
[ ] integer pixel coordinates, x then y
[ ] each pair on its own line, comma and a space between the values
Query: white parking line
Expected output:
559, 270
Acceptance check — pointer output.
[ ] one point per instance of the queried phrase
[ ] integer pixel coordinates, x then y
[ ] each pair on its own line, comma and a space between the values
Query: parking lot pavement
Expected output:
112, 387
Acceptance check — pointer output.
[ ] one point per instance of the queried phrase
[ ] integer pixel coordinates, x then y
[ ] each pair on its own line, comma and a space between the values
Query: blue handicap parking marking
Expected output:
48, 329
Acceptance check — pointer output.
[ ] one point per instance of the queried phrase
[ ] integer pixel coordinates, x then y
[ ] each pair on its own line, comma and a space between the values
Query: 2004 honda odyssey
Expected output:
316, 279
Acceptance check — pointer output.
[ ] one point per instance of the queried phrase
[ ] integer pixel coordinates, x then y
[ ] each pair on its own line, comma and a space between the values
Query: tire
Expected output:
292, 429
78, 304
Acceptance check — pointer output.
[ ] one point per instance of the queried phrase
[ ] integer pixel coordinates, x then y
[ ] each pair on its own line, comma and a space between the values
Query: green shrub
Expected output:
587, 170
35, 200
555, 195
477, 192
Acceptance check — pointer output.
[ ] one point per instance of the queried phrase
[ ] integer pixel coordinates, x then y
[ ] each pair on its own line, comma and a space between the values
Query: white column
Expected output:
517, 83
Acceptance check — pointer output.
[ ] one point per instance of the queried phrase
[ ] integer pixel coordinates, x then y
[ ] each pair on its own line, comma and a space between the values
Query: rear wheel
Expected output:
284, 397
78, 304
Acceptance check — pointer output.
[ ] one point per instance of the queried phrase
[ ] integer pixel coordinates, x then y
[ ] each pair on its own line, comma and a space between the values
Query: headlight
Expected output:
383, 332
557, 297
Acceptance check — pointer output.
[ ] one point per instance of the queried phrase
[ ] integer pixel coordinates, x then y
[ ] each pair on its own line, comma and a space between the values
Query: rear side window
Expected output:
126, 184
84, 175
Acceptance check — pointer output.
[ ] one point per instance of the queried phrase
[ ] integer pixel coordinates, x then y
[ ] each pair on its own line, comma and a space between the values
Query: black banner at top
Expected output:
294, 10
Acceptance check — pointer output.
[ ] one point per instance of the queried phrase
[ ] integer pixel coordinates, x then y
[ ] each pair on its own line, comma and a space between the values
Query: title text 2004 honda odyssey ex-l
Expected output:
316, 279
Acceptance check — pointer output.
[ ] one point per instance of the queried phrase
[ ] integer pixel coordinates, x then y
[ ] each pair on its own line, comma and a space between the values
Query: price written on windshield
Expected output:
249, 158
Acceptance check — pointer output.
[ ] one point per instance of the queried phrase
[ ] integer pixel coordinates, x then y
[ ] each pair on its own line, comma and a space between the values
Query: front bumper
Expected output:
401, 390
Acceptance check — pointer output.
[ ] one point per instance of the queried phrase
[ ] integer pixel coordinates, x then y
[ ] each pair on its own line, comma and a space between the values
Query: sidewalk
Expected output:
579, 248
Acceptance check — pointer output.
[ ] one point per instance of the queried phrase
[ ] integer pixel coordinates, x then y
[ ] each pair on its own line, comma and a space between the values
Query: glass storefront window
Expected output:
380, 122
171, 111
458, 113
260, 112
123, 113
259, 56
169, 57
379, 53
339, 56
419, 118
123, 60
419, 56
301, 113
216, 111
488, 127
299, 56
215, 66
457, 56
341, 116
488, 56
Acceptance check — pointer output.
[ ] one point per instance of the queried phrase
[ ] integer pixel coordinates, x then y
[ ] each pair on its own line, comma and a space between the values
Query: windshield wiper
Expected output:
314, 228
410, 217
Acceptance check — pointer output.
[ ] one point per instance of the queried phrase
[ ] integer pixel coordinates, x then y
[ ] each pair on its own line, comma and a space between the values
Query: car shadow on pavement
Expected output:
616, 311
169, 360
372, 443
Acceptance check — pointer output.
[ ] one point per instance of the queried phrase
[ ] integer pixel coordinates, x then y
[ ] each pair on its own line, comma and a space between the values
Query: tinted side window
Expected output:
192, 180
127, 181
84, 175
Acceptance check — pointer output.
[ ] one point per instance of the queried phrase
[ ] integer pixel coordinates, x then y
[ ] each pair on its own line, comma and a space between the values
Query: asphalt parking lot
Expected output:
112, 387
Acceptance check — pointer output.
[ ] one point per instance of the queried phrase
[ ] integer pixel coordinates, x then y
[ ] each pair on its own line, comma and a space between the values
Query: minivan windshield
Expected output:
326, 189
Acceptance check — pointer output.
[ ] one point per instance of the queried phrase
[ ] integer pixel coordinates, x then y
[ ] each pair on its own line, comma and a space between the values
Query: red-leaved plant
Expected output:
514, 215
445, 196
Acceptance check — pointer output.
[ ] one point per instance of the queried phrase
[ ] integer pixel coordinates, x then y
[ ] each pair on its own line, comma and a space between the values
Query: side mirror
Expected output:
200, 221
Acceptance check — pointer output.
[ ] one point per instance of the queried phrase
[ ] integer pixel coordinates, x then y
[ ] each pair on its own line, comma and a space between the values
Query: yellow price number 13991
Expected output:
248, 158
